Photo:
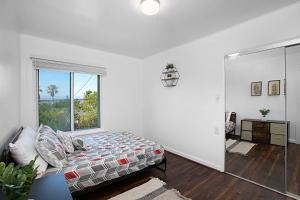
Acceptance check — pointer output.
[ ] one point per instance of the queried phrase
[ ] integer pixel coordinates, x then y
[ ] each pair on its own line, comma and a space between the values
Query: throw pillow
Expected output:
79, 144
66, 141
51, 149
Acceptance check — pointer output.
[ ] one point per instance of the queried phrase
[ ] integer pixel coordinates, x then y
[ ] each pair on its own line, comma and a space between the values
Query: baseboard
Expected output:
195, 159
292, 141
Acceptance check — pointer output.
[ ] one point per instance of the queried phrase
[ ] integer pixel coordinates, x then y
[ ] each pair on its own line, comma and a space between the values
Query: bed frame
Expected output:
121, 178
6, 157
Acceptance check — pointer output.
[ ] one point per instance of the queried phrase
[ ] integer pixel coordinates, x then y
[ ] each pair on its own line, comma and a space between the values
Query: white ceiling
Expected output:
118, 26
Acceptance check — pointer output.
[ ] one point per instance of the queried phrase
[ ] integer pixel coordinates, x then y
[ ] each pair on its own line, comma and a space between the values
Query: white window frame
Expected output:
100, 97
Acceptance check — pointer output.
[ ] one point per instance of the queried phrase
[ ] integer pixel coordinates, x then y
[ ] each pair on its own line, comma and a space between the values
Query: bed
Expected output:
110, 157
230, 123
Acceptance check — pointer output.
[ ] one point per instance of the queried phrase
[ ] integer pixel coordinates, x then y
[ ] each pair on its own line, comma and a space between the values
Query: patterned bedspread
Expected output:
109, 155
229, 126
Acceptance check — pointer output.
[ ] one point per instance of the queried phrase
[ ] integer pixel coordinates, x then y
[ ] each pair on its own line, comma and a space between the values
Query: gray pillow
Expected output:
66, 141
50, 149
45, 129
79, 144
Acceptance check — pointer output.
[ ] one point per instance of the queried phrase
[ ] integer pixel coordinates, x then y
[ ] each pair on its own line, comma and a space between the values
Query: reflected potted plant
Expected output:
16, 181
264, 112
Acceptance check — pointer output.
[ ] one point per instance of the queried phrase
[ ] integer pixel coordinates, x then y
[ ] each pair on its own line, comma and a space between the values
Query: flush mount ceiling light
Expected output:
234, 55
150, 7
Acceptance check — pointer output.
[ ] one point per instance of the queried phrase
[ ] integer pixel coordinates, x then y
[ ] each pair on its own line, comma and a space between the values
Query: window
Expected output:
86, 101
68, 101
55, 99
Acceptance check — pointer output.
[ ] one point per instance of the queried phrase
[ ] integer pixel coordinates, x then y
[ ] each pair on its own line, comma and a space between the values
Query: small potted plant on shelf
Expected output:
264, 112
16, 181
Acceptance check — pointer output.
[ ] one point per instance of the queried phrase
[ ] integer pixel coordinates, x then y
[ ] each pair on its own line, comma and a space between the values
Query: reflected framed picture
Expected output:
256, 88
274, 87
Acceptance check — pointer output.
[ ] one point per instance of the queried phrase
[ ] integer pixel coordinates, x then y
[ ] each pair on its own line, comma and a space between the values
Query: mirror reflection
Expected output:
256, 130
293, 115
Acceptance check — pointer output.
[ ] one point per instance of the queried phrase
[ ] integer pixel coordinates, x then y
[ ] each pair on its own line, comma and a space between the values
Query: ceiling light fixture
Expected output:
150, 7
234, 55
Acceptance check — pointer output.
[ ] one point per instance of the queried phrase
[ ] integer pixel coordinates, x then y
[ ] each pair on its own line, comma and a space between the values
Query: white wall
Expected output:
293, 95
241, 71
9, 71
190, 117
121, 86
187, 119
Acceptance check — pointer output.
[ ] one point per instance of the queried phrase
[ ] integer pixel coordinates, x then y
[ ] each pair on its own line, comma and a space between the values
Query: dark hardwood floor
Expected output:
293, 169
264, 164
194, 181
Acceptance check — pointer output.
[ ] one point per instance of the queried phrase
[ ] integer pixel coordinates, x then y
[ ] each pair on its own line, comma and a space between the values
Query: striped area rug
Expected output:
155, 189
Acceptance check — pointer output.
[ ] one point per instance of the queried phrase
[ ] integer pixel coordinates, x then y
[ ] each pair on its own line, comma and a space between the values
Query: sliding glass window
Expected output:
68, 101
86, 101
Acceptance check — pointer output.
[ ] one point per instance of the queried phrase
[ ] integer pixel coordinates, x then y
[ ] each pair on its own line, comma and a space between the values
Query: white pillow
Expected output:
23, 150
228, 117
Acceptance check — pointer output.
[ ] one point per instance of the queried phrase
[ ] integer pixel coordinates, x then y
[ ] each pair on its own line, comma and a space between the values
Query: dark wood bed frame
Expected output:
162, 166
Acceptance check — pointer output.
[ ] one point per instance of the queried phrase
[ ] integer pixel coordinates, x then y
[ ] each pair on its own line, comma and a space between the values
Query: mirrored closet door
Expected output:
256, 129
262, 119
293, 115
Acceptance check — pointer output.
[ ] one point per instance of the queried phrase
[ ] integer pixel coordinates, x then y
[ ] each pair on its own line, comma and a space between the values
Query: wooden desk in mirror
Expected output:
265, 132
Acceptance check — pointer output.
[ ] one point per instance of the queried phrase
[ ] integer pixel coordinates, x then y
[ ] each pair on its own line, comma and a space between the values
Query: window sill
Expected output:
87, 131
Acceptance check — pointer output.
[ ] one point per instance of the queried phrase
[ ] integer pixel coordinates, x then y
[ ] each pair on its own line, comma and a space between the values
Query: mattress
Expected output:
108, 156
229, 126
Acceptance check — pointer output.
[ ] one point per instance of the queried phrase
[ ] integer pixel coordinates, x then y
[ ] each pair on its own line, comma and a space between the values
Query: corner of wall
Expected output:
9, 71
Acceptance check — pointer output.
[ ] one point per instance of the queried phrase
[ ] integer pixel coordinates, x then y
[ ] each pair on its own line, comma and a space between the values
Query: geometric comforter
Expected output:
108, 156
